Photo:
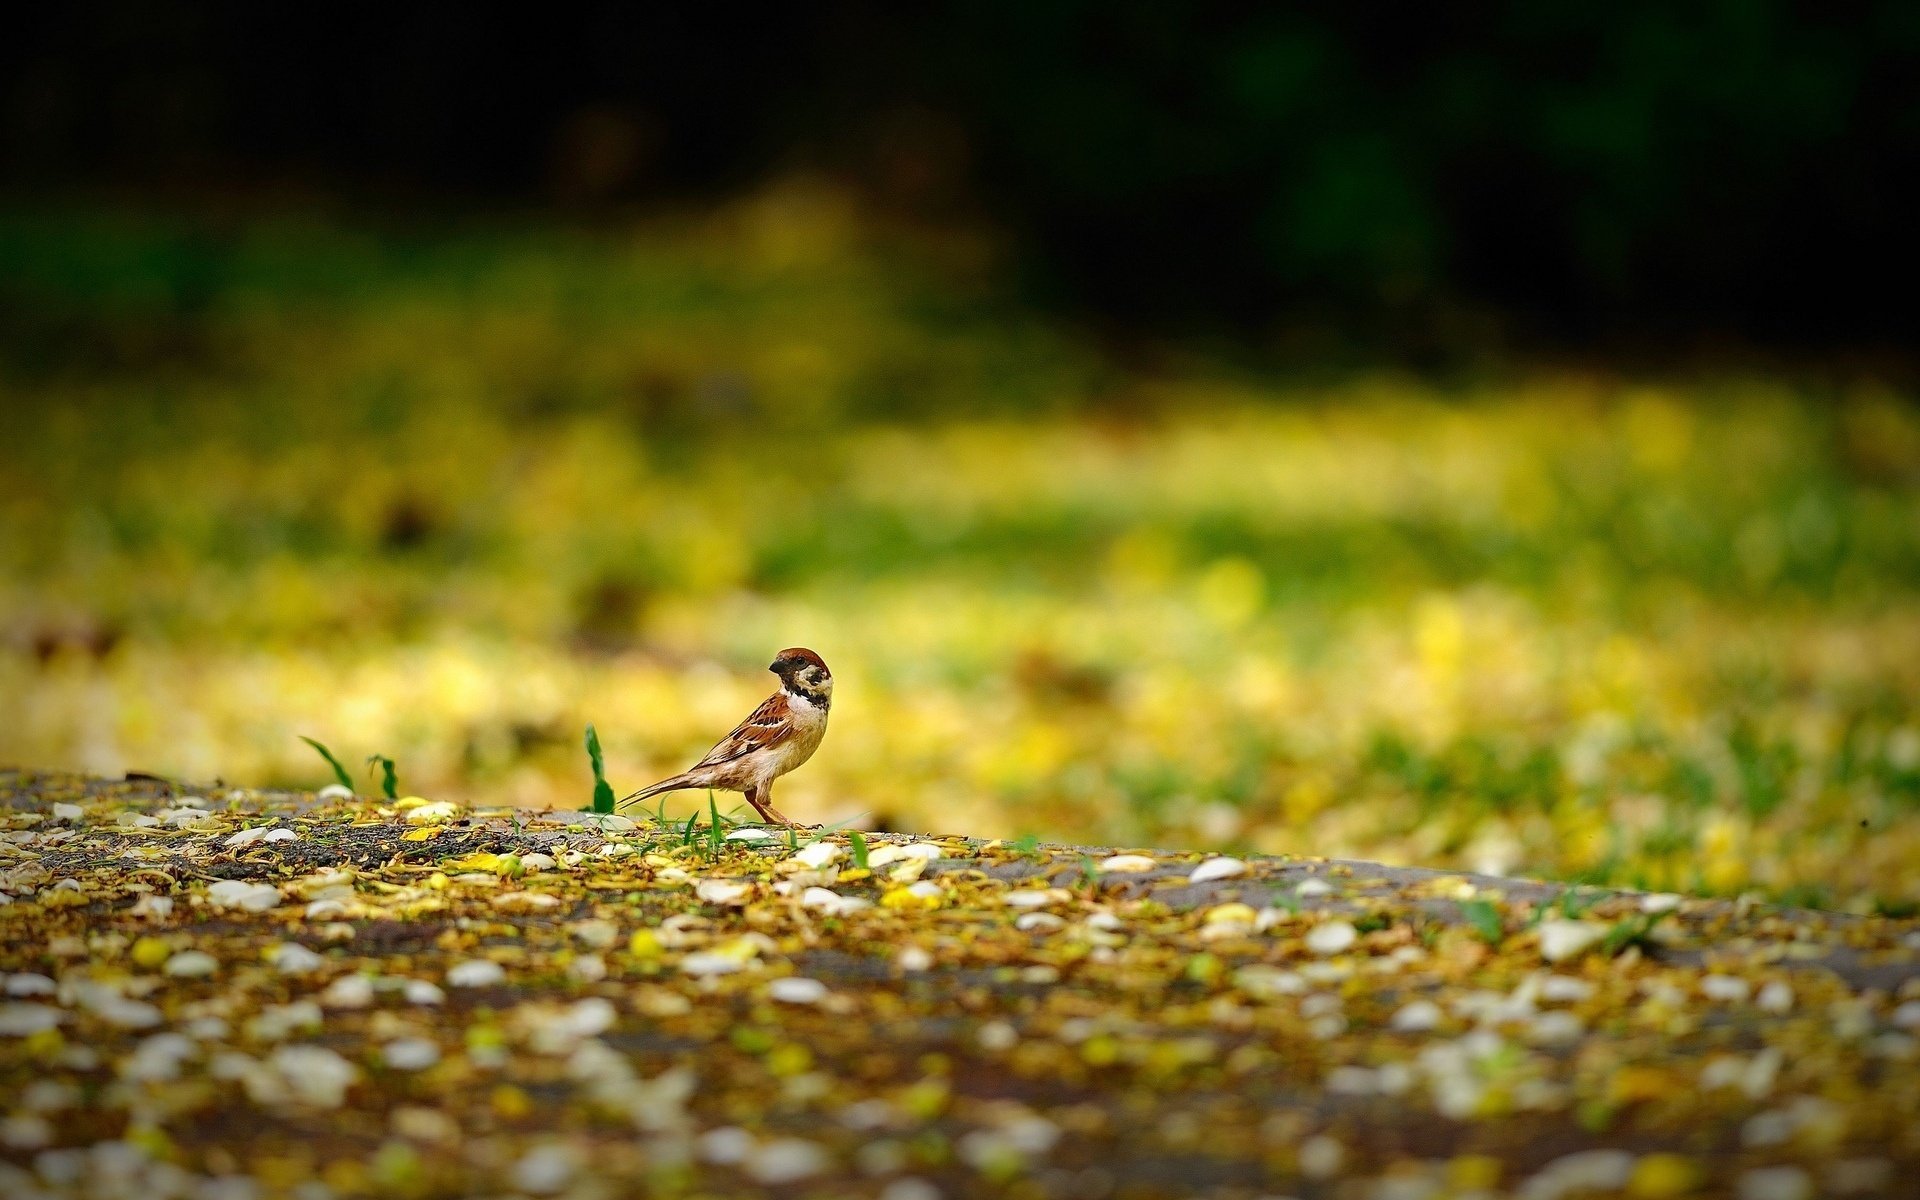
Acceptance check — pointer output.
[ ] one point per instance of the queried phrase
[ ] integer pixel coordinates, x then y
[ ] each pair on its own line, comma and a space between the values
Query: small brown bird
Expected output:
775, 738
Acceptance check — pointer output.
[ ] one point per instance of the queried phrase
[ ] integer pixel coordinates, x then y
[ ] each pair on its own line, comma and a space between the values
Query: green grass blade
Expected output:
602, 790
389, 778
340, 774
858, 842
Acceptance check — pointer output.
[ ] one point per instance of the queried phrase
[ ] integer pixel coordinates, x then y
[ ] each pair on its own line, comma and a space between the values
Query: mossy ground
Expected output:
418, 1001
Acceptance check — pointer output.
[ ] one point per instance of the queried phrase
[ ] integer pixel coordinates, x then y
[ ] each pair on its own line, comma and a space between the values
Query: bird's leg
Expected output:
765, 805
766, 813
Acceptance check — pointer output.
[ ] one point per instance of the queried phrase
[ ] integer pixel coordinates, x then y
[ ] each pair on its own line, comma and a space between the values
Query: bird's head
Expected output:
803, 673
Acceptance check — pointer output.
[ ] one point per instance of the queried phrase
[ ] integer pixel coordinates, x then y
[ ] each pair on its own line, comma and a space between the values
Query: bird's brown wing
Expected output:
765, 727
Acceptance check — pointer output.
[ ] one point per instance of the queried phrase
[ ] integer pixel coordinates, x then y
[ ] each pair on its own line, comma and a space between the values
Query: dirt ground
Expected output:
238, 993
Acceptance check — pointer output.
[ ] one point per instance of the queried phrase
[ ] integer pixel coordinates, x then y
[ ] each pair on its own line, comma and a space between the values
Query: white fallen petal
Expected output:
334, 791
281, 835
1776, 1183
1331, 937
314, 1075
818, 855
475, 972
420, 991
1564, 989
1127, 864
410, 1054
66, 812
750, 834
1042, 922
27, 983
1217, 868
723, 891
544, 1170
1313, 887
526, 902
832, 903
1562, 939
1417, 1016
243, 895
785, 1160
291, 958
880, 856
706, 964
246, 837
797, 989
1659, 902
1030, 898
348, 991
433, 812
22, 1020
191, 964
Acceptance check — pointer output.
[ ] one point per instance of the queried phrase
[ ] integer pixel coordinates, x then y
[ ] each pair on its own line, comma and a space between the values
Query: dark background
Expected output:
1649, 173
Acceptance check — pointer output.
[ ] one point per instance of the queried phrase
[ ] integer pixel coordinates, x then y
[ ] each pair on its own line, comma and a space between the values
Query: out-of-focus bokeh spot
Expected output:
449, 498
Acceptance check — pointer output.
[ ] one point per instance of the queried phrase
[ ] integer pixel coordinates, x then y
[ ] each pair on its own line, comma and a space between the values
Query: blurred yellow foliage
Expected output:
449, 500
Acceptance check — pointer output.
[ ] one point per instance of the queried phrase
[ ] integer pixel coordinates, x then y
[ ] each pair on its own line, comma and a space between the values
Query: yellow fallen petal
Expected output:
150, 952
421, 835
1659, 1176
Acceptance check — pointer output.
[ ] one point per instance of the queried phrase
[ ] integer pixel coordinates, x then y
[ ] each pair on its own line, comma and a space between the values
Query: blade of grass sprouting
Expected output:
339, 772
857, 841
713, 826
602, 790
1485, 918
389, 779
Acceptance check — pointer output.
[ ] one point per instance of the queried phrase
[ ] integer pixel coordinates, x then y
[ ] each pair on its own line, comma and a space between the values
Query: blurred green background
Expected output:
1446, 442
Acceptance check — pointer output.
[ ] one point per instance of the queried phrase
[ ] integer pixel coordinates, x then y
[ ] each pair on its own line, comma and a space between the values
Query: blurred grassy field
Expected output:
450, 497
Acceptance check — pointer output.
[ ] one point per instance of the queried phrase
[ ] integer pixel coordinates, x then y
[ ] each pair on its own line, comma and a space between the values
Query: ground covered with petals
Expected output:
240, 994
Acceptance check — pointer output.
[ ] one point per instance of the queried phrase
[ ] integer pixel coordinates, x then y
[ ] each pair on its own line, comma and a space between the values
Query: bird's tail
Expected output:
669, 784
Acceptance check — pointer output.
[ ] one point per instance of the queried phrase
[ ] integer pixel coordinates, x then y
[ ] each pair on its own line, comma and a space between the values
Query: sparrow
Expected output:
774, 739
